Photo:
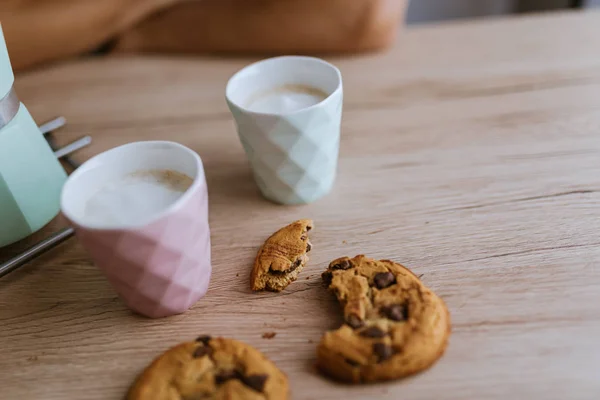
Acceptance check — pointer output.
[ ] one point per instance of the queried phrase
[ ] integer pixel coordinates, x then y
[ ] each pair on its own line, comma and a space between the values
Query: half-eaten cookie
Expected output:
395, 325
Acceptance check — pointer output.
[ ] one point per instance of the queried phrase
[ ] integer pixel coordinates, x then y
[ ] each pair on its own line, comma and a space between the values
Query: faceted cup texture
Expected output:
160, 269
293, 157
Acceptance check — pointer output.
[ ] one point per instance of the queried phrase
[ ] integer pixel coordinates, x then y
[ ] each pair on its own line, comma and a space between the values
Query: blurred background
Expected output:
424, 11
43, 31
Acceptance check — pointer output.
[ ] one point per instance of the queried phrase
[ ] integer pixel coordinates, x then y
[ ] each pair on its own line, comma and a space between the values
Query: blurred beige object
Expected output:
39, 31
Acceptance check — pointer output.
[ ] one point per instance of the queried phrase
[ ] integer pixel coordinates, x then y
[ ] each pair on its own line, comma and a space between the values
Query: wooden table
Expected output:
470, 153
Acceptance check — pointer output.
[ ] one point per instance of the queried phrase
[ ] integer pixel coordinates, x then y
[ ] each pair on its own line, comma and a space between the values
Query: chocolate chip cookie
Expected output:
395, 326
210, 369
281, 258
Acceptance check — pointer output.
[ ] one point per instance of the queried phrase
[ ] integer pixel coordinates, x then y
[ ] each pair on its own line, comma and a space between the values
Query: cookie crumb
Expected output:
344, 242
268, 335
310, 341
32, 358
308, 277
237, 274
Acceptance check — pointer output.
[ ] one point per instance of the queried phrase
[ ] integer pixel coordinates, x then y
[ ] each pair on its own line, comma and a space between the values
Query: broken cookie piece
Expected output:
281, 258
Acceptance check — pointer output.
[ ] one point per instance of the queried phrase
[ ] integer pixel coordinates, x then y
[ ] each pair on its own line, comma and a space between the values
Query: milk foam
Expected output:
285, 99
135, 198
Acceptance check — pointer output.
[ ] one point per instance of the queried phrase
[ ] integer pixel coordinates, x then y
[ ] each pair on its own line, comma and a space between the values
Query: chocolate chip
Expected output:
327, 277
373, 332
203, 339
344, 264
352, 362
354, 321
396, 312
308, 247
202, 351
256, 382
292, 267
224, 376
383, 351
277, 272
383, 280
295, 265
303, 237
308, 228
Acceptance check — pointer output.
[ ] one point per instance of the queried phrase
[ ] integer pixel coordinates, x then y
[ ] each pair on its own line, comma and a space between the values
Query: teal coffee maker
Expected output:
31, 178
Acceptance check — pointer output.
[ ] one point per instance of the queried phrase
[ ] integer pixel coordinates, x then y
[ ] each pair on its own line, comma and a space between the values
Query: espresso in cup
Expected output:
135, 197
285, 98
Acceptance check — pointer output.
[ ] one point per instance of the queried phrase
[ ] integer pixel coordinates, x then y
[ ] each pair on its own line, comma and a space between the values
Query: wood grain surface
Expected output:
470, 153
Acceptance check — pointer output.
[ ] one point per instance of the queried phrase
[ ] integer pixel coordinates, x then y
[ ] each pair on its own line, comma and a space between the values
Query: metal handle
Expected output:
36, 250
74, 146
52, 125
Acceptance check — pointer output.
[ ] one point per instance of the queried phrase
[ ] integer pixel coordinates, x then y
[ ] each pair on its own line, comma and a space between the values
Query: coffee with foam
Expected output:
285, 99
135, 198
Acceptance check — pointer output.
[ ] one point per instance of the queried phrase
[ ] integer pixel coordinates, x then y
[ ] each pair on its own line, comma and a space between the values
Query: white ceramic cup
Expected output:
293, 154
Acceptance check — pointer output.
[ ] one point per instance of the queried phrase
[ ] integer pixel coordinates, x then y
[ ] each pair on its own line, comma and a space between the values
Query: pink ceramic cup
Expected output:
162, 266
